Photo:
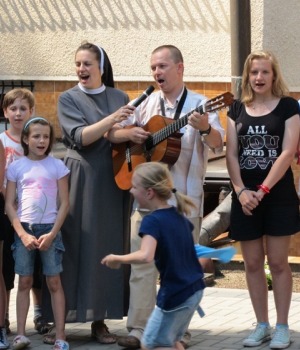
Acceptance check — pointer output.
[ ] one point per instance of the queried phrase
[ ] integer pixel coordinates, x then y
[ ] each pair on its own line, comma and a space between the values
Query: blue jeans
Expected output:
51, 258
166, 327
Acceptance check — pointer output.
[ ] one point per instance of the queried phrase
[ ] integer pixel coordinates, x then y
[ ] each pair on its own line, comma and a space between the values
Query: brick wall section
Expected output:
47, 92
46, 95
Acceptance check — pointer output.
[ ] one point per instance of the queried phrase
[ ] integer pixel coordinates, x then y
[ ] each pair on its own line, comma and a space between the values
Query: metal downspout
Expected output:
240, 24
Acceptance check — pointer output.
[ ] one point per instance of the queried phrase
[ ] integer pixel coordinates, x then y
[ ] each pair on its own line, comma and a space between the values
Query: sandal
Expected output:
49, 338
41, 326
20, 342
61, 345
101, 333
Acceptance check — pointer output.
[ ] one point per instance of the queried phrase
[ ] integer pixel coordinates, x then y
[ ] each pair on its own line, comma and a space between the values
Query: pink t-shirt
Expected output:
37, 188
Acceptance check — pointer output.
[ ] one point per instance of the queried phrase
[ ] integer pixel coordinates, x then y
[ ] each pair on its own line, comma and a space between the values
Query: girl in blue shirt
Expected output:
167, 239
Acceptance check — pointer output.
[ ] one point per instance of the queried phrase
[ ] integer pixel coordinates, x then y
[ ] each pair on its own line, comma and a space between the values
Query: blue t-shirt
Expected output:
181, 274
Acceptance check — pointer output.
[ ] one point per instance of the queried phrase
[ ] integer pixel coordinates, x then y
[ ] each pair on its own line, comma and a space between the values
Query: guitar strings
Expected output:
211, 105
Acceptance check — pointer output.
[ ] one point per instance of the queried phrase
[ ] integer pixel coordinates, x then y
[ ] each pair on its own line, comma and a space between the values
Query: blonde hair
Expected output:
157, 176
279, 88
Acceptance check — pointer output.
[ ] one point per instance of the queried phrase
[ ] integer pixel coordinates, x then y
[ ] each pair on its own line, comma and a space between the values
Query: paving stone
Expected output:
228, 320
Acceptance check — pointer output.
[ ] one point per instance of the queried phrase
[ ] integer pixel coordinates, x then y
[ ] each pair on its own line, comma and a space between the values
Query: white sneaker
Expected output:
4, 344
259, 335
281, 338
20, 342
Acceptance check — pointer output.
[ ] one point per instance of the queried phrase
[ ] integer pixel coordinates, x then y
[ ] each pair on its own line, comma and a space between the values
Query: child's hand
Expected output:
45, 241
110, 261
30, 242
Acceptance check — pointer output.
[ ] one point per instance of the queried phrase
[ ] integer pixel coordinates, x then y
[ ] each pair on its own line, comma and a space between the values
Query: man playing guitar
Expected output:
203, 131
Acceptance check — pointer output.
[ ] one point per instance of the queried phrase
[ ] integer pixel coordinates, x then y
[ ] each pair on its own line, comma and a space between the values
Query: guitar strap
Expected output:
179, 107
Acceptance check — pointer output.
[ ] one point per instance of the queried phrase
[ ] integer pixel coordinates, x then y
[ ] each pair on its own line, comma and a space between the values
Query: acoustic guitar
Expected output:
163, 145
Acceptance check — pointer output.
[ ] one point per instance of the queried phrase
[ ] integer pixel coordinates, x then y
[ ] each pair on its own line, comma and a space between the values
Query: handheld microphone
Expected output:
143, 96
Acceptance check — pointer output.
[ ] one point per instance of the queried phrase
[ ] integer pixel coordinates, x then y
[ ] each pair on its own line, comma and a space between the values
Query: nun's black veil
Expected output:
107, 76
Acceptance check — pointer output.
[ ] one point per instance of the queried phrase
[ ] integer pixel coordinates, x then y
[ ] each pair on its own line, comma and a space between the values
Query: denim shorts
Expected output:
165, 327
51, 258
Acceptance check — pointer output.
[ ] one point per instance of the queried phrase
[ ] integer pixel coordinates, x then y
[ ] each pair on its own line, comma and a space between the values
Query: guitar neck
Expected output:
213, 104
170, 129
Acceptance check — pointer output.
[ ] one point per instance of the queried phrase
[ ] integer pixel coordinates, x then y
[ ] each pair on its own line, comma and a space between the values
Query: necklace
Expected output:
262, 107
263, 104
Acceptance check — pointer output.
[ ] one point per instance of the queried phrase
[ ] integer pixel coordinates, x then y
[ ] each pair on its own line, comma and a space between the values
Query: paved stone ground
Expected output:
228, 318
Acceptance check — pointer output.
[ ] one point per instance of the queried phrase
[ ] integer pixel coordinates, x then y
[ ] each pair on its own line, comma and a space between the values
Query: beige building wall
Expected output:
38, 38
275, 27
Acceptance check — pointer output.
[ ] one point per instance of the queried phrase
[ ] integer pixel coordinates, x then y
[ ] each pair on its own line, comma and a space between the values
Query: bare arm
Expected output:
135, 134
142, 256
247, 198
29, 241
232, 156
214, 139
63, 193
200, 122
2, 166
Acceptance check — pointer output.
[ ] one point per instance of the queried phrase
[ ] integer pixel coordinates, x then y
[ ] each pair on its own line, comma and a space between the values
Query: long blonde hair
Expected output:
157, 176
279, 88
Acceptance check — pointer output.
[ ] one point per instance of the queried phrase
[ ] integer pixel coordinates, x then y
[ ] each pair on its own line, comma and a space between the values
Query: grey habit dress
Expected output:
99, 217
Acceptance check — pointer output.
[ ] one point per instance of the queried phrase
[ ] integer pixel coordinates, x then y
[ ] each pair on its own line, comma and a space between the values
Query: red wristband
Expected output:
264, 188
